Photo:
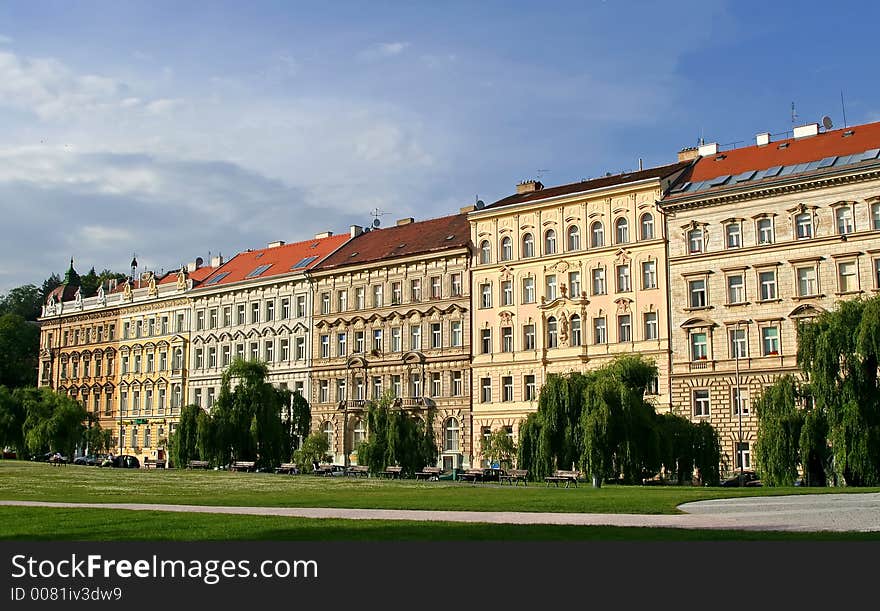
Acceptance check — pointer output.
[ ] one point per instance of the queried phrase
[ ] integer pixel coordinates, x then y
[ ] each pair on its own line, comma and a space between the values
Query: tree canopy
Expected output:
19, 347
397, 437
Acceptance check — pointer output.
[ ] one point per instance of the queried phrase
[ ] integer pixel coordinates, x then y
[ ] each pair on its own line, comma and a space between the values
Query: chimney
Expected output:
194, 265
323, 234
762, 139
708, 149
528, 186
810, 129
274, 244
355, 230
218, 260
467, 209
688, 153
405, 221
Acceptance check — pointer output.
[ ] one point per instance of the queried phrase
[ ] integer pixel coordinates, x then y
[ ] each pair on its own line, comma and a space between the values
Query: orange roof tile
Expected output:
275, 261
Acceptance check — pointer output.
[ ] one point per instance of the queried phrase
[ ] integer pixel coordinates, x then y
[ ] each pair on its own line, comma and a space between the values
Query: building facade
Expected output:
392, 312
760, 238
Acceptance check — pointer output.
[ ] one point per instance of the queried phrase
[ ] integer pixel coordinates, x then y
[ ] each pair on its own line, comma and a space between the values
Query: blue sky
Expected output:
179, 129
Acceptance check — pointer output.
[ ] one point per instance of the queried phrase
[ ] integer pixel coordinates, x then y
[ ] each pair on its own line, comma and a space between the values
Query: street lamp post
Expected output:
739, 446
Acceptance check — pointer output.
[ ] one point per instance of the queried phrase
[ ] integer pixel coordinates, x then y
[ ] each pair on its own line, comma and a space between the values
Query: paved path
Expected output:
815, 512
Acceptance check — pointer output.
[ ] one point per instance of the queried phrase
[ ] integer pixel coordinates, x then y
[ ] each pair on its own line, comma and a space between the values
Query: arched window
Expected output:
450, 441
575, 323
506, 249
647, 224
327, 429
621, 231
485, 252
574, 238
550, 242
597, 235
528, 245
552, 333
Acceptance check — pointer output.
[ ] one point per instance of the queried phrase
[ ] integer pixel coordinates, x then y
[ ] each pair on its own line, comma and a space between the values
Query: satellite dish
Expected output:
826, 122
376, 223
480, 204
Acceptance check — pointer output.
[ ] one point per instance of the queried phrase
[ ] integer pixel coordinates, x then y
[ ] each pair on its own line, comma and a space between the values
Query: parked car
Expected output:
90, 460
123, 461
749, 478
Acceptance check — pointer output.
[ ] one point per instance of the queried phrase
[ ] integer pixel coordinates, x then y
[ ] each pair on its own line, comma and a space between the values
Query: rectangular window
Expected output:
485, 390
486, 295
396, 293
697, 292
255, 313
530, 389
377, 340
649, 275
415, 337
436, 284
456, 285
227, 354
506, 339
738, 344
456, 383
300, 348
877, 273
227, 316
600, 333
804, 225
325, 303
699, 346
844, 217
807, 281
739, 399
574, 284
200, 321
212, 357
340, 389
415, 289
550, 287
736, 291
651, 329
360, 298
695, 241
395, 385
529, 337
623, 281
415, 385
765, 231
528, 290
240, 314
270, 351
377, 296
701, 403
599, 287
507, 292
847, 278
486, 341
200, 359
212, 318
255, 351
324, 391
341, 301
341, 344
770, 340
325, 346
743, 455
767, 281
300, 306
396, 343
436, 335
734, 235
377, 388
624, 328
285, 309
435, 384
359, 342
455, 328
270, 310
507, 388
239, 351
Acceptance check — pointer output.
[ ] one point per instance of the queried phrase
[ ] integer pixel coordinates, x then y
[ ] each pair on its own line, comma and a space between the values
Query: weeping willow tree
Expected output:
676, 447
184, 440
838, 353
780, 424
397, 437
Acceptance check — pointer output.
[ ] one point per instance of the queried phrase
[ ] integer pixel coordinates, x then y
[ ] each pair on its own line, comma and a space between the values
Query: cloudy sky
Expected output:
182, 129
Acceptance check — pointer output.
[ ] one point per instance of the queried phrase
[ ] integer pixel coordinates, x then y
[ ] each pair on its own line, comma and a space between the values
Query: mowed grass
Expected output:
51, 524
21, 480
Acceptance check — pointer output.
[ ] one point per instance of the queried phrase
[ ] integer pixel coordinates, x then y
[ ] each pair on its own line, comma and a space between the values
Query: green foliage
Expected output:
184, 441
299, 419
25, 301
499, 447
780, 424
314, 449
707, 453
676, 446
96, 438
397, 437
53, 421
49, 285
19, 346
12, 417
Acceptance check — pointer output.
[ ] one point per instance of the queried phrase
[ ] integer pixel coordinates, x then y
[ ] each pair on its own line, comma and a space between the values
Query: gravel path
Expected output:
815, 512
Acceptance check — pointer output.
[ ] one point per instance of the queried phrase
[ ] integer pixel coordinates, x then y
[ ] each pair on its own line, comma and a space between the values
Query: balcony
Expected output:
702, 365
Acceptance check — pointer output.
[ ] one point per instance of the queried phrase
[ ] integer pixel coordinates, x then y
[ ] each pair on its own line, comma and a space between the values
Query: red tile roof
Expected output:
423, 237
592, 184
786, 152
279, 259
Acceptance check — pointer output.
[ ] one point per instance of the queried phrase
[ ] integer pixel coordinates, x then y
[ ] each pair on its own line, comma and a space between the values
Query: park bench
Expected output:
472, 475
392, 472
322, 470
57, 461
287, 467
514, 477
197, 464
358, 471
568, 477
149, 463
242, 465
429, 473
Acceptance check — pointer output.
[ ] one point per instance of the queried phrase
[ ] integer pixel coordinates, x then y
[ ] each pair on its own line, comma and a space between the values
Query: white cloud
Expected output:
5, 40
382, 50
161, 106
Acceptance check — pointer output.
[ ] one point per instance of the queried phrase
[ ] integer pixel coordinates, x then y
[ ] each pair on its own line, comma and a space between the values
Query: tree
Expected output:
499, 447
96, 438
780, 423
397, 437
49, 285
184, 440
314, 450
707, 453
19, 347
89, 284
53, 421
299, 420
12, 417
25, 301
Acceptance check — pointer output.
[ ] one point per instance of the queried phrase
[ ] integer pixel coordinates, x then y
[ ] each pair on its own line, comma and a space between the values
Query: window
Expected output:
325, 346
255, 351
377, 340
739, 399
743, 455
877, 273
574, 238
599, 287
550, 288
436, 283
733, 235
600, 333
415, 289
765, 231
327, 429
340, 389
528, 246
846, 276
624, 328
285, 309
506, 339
574, 284
485, 390
486, 341
507, 292
341, 344
436, 335
701, 402
623, 281
486, 295
300, 348
359, 342
506, 249
739, 347
552, 333
651, 329
436, 388
456, 285
450, 442
285, 351
396, 342
530, 389
697, 292
575, 323
804, 225
212, 357
359, 298
653, 387
485, 252
507, 388
647, 226
550, 242
227, 316
844, 218
529, 337
699, 346
200, 322
455, 332
270, 351
240, 314
415, 385
341, 301
767, 280
736, 291
875, 216
199, 364
695, 241
377, 296
528, 290
649, 275
770, 340
807, 281
415, 337
324, 391
377, 387
621, 231
456, 383
597, 235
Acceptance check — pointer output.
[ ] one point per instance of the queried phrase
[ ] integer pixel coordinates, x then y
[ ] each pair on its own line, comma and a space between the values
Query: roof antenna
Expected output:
376, 213
794, 115
843, 107
540, 173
